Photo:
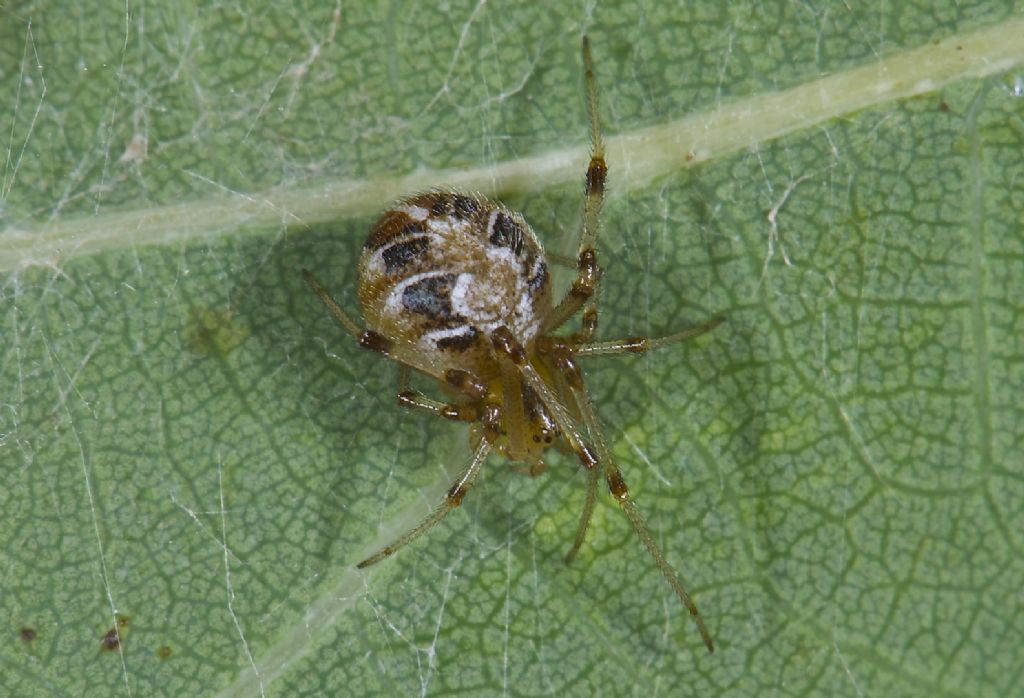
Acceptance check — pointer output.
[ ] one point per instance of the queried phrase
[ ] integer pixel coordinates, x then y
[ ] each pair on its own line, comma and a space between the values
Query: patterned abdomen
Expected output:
441, 270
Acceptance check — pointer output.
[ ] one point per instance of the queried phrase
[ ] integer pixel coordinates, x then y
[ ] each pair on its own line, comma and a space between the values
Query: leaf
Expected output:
193, 455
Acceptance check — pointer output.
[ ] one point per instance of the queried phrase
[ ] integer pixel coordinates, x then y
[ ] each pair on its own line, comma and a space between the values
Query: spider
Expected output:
456, 286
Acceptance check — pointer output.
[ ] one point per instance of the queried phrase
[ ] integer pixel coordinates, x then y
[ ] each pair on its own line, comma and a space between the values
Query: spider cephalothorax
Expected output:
456, 286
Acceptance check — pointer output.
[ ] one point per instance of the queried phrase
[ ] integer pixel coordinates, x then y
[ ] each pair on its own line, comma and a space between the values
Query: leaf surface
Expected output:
193, 454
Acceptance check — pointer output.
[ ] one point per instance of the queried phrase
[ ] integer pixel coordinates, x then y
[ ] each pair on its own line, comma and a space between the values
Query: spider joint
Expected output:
589, 274
374, 341
586, 455
565, 363
460, 413
455, 494
617, 486
507, 344
465, 382
597, 172
490, 417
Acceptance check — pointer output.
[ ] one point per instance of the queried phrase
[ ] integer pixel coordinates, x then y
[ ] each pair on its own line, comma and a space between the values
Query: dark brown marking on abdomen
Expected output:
459, 342
506, 233
403, 252
537, 281
431, 296
392, 226
464, 207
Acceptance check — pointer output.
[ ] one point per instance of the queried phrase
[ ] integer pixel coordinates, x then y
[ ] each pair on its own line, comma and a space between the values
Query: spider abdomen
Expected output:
442, 270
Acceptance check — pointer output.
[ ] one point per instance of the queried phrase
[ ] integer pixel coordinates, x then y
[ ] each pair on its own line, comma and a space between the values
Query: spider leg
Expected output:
571, 431
510, 352
639, 345
368, 339
561, 356
598, 170
561, 260
454, 411
588, 326
618, 489
617, 486
562, 389
588, 270
452, 499
585, 515
343, 318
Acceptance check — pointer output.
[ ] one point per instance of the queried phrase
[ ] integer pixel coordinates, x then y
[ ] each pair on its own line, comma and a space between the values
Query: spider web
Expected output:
193, 454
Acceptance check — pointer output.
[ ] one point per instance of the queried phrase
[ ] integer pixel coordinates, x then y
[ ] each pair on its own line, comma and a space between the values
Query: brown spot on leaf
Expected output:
212, 332
112, 639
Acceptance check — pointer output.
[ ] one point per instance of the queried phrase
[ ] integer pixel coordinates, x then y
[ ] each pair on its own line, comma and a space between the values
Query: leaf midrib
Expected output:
640, 155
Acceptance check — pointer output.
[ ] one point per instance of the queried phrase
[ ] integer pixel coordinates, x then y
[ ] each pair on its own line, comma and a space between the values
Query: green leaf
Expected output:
193, 455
